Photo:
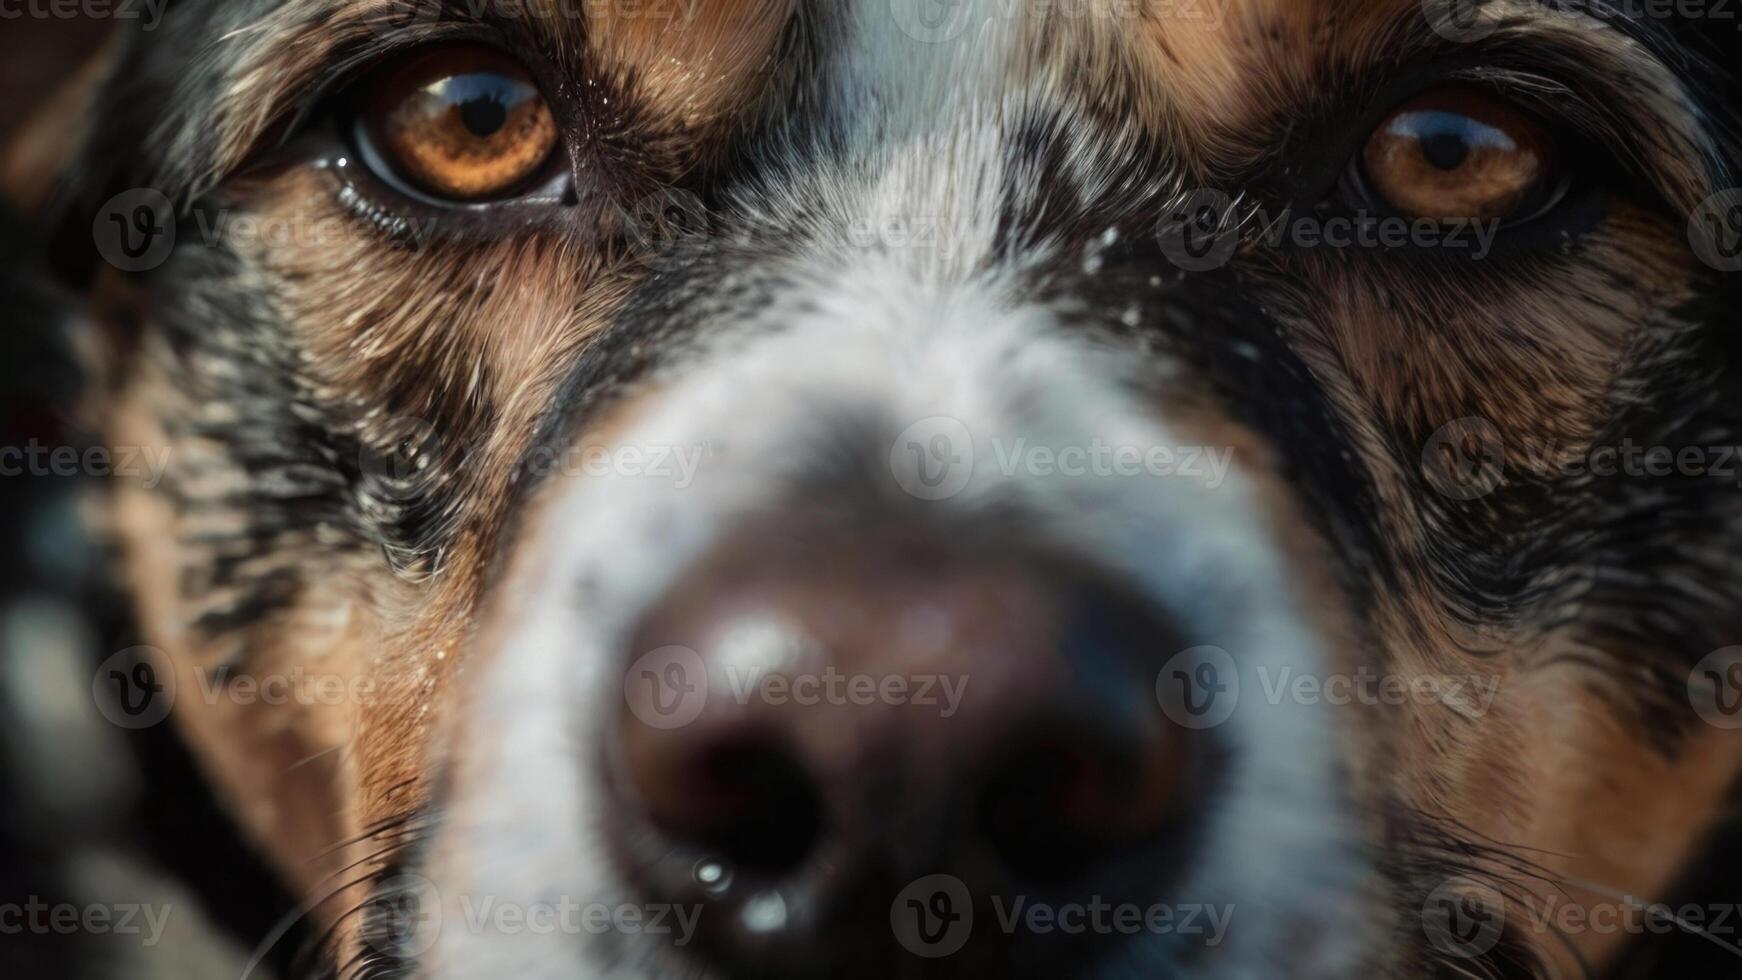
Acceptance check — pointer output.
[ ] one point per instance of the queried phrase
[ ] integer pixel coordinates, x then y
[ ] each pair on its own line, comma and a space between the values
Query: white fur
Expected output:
891, 335
886, 348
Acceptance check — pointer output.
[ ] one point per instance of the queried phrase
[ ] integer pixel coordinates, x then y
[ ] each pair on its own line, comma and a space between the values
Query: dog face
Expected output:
1177, 432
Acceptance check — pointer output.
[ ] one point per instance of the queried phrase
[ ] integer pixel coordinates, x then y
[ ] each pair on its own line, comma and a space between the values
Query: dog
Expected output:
765, 488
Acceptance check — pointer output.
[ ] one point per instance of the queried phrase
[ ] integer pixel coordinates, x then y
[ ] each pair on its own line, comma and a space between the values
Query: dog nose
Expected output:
815, 723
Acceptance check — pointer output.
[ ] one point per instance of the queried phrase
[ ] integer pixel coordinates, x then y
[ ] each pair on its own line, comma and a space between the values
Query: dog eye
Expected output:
1459, 153
460, 123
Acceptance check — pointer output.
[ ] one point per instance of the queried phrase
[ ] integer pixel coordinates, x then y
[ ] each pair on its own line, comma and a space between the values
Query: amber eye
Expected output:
1459, 153
465, 123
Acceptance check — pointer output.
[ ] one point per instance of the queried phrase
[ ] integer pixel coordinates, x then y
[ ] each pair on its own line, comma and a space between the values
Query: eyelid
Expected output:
1661, 157
333, 82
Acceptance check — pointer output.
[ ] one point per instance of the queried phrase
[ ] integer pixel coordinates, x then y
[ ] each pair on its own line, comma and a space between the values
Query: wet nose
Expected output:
809, 723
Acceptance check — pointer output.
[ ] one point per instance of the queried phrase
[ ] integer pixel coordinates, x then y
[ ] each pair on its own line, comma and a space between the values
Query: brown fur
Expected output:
474, 341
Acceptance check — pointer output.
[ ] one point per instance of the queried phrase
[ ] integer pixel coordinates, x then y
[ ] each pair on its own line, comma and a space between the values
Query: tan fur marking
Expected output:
694, 62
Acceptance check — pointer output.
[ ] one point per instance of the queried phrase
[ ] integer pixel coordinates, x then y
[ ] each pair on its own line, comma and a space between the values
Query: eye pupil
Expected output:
1445, 150
484, 117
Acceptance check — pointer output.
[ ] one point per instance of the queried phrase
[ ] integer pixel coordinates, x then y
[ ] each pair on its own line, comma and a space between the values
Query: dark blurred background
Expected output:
34, 53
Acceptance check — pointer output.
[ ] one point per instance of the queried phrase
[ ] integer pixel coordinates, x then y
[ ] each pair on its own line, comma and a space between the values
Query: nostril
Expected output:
1064, 803
749, 802
1098, 774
